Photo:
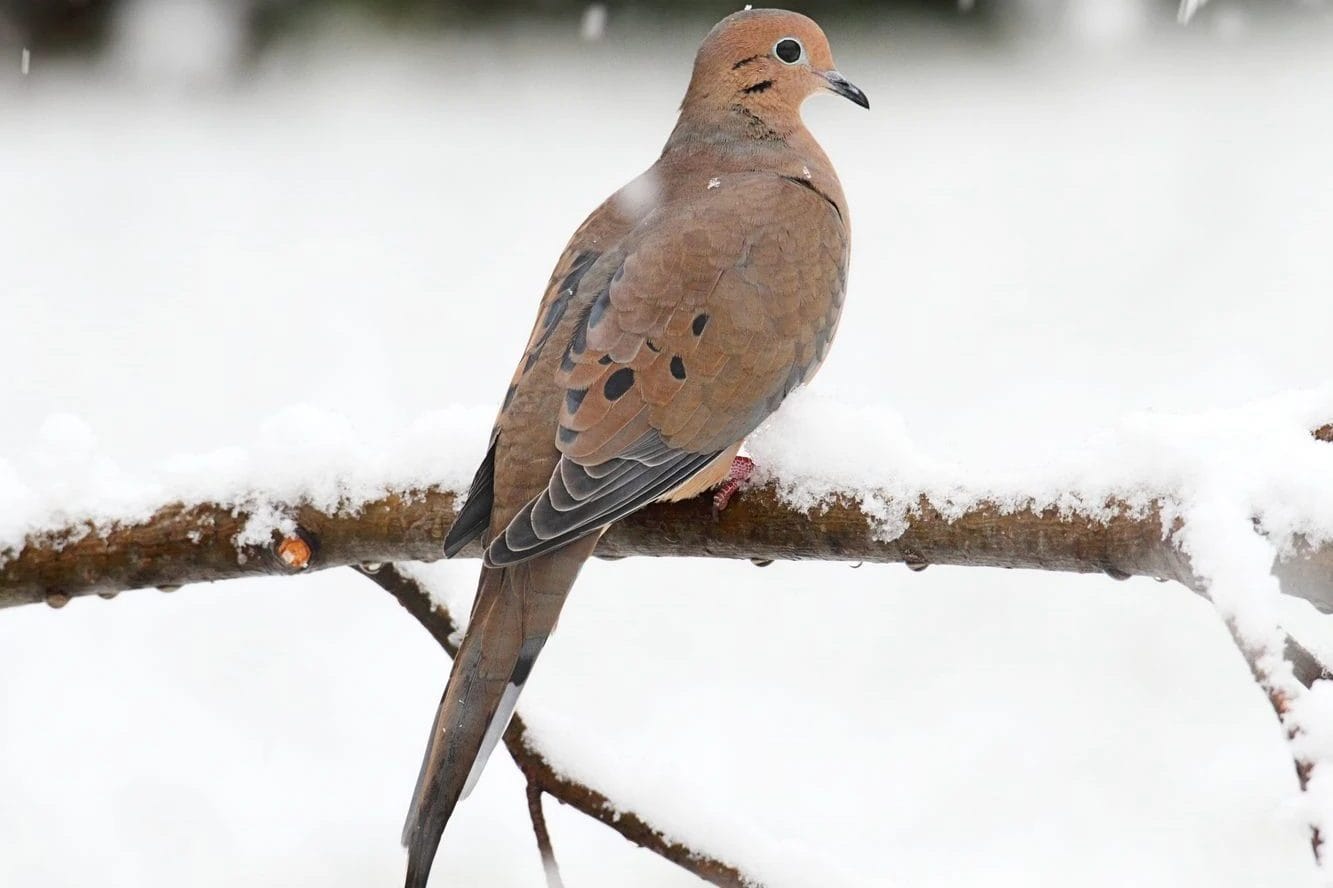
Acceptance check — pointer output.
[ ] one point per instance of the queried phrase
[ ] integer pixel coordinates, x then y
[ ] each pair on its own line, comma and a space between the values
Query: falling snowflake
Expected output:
593, 25
1188, 8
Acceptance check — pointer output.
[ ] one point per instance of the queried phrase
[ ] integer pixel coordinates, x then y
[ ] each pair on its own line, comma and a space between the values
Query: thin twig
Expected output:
1281, 704
549, 866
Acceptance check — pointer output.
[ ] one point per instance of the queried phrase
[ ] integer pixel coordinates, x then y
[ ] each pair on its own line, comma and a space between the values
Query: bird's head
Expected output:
765, 62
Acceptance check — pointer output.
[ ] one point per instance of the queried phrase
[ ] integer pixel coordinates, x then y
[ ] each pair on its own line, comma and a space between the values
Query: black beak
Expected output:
845, 88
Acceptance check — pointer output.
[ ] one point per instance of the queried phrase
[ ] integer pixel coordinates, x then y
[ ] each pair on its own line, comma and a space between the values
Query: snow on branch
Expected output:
180, 544
836, 483
1043, 523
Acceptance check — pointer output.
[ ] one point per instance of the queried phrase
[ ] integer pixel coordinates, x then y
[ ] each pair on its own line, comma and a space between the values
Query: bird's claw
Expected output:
742, 467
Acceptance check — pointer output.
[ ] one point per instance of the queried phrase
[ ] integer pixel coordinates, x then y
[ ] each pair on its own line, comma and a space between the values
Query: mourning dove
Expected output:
682, 313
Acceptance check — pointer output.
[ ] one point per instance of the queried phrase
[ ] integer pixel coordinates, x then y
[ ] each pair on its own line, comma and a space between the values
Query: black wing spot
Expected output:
700, 321
598, 310
677, 367
757, 87
652, 346
573, 398
557, 308
509, 396
582, 262
566, 436
604, 360
618, 383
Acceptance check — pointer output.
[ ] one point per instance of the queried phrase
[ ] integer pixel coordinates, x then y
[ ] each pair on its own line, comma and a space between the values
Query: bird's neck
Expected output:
729, 145
741, 137
742, 124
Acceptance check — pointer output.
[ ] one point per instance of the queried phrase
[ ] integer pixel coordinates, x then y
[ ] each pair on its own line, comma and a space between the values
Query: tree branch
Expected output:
182, 544
538, 817
539, 772
1301, 661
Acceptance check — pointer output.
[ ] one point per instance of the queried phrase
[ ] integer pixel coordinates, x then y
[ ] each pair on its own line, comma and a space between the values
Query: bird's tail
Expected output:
515, 611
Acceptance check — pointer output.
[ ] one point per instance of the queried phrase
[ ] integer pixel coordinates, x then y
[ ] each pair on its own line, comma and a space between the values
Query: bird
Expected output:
682, 313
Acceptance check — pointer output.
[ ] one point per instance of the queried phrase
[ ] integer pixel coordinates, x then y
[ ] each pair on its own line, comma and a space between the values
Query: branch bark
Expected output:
544, 847
182, 544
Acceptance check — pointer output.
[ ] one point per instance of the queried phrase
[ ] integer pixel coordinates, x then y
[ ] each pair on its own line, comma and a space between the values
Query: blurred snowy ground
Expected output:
1046, 238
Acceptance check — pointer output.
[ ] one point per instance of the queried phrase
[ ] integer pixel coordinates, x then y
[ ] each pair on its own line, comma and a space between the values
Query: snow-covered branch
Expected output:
179, 544
1208, 537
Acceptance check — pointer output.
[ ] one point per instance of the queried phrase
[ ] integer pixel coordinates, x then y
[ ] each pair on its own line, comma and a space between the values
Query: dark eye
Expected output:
789, 50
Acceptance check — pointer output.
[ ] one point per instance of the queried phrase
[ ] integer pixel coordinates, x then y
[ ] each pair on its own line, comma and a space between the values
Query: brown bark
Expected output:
543, 835
189, 544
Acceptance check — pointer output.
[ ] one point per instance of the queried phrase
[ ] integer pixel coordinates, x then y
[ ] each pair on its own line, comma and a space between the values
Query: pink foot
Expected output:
742, 467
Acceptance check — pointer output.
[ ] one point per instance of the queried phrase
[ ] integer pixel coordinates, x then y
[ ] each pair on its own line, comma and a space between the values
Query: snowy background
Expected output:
1112, 218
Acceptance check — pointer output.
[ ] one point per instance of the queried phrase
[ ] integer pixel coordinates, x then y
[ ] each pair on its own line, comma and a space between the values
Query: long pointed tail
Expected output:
515, 611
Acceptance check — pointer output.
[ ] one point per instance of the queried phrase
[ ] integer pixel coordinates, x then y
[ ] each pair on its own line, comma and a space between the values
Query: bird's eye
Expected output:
789, 50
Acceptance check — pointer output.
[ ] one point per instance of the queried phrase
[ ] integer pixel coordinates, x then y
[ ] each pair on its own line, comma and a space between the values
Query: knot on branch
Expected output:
294, 552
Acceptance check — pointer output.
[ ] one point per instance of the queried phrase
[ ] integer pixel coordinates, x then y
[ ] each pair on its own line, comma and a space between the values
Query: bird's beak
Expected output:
845, 88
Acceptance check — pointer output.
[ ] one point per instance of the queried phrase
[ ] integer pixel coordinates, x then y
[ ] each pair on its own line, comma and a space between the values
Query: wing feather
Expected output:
539, 527
706, 323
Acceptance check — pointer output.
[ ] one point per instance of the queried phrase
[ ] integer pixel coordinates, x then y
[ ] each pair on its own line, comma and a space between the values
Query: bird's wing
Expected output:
560, 293
716, 309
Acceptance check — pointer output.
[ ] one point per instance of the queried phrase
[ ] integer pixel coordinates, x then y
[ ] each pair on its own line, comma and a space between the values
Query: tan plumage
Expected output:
681, 314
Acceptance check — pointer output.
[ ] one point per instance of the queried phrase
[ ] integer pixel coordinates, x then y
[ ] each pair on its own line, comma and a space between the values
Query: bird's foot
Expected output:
742, 467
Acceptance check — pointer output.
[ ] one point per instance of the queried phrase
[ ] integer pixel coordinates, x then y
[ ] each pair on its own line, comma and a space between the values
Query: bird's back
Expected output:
763, 252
